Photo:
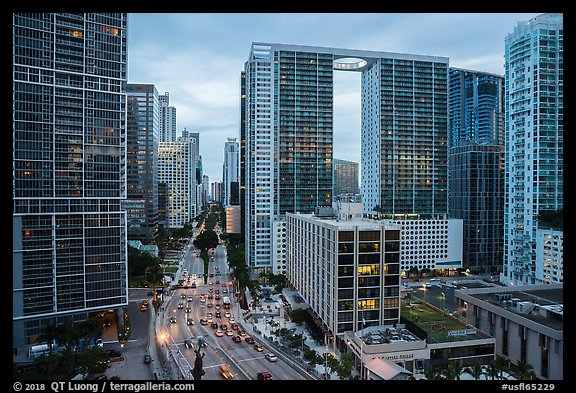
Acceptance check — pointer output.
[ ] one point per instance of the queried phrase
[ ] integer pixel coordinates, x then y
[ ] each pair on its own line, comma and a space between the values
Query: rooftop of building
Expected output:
437, 326
543, 304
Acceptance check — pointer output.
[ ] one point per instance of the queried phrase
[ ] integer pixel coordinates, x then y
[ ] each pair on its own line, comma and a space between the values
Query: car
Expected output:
249, 340
180, 305
209, 314
214, 325
224, 290
259, 347
229, 333
217, 306
172, 319
210, 290
227, 314
224, 285
219, 333
271, 357
217, 297
209, 320
232, 320
100, 343
183, 296
209, 305
188, 344
210, 296
202, 295
264, 375
188, 310
237, 339
217, 291
242, 333
203, 321
190, 298
189, 321
223, 326
193, 285
202, 342
143, 308
225, 371
202, 300
217, 281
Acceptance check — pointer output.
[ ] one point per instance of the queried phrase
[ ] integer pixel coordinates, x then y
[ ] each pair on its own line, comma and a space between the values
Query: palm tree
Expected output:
525, 371
501, 365
48, 334
155, 276
475, 370
453, 371
492, 370
433, 373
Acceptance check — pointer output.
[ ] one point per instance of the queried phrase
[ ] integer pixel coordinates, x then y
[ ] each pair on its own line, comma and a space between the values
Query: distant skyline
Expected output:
198, 58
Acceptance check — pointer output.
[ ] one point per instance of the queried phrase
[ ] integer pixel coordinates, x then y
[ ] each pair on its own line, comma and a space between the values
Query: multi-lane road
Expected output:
242, 358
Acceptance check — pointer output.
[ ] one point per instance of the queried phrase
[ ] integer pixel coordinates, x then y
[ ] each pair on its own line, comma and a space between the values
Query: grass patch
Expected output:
434, 323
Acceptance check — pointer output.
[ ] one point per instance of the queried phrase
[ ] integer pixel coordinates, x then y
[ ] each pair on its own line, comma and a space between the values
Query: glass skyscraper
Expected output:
69, 168
404, 137
534, 139
289, 135
476, 161
143, 137
346, 177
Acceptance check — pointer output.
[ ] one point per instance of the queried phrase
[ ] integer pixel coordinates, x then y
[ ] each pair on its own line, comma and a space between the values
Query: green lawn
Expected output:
434, 323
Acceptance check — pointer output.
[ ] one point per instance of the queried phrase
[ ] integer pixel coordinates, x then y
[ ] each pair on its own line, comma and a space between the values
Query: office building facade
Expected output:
242, 180
289, 134
476, 104
477, 197
476, 162
405, 135
69, 169
177, 169
347, 271
143, 135
534, 144
167, 119
550, 256
527, 322
346, 177
231, 172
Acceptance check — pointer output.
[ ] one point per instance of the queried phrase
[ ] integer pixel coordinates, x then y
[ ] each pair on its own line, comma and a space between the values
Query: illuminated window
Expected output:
369, 270
368, 304
110, 30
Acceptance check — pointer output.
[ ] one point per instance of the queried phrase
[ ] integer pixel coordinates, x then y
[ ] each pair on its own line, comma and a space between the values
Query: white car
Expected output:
271, 357
219, 333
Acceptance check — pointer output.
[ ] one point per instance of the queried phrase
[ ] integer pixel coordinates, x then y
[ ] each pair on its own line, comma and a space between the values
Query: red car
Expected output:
264, 375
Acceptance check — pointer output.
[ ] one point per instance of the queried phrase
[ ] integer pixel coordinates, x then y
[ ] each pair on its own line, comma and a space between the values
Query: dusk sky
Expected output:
198, 57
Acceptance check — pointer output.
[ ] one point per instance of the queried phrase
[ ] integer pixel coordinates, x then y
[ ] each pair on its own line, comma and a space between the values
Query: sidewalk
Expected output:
262, 330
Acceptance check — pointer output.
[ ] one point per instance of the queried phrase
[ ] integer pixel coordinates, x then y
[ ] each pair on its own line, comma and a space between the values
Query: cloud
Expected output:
198, 57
